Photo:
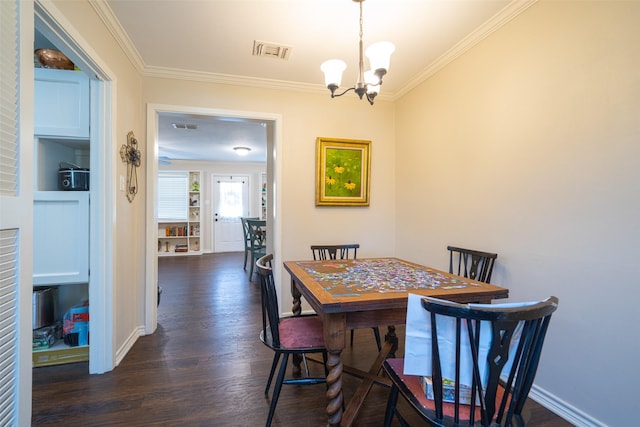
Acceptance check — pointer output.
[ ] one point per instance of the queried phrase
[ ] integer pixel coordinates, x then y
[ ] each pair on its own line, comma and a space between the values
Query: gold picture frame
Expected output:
342, 172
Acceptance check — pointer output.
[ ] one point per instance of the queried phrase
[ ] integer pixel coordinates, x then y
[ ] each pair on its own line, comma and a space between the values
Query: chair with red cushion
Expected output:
348, 251
295, 335
499, 359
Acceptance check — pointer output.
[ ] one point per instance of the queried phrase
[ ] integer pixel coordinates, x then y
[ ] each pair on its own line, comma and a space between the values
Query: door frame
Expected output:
55, 26
274, 175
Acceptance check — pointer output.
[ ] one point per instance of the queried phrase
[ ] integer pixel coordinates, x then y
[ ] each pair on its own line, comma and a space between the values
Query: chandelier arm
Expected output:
333, 95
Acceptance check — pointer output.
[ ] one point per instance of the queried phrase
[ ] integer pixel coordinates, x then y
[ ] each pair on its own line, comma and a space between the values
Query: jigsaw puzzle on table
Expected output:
352, 278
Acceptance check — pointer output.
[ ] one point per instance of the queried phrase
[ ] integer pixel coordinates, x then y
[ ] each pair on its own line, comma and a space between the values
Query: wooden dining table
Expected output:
367, 292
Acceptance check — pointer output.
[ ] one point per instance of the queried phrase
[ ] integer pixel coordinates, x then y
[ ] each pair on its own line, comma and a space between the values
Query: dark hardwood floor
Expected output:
204, 366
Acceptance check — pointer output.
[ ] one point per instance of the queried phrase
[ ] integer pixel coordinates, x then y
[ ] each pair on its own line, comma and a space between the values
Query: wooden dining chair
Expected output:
348, 251
247, 238
496, 347
472, 264
286, 335
324, 252
257, 241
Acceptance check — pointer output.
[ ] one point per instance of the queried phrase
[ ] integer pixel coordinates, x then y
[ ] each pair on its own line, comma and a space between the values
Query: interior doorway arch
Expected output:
274, 142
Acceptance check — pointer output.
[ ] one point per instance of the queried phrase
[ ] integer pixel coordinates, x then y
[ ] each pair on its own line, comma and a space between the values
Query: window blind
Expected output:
173, 196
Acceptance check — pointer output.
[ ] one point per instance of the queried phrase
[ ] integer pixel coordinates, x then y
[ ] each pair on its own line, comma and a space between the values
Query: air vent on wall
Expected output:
183, 126
271, 50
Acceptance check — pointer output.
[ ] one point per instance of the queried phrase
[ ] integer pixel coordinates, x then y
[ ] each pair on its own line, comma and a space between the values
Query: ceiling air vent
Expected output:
271, 50
183, 126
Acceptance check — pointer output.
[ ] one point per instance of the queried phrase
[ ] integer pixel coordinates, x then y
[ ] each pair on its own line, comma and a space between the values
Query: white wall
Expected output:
529, 145
209, 169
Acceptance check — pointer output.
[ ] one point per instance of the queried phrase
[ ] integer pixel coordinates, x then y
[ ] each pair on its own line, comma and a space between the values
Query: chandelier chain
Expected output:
360, 84
361, 20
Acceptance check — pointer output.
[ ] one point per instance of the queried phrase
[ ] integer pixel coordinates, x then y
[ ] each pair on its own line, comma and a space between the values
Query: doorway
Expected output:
272, 124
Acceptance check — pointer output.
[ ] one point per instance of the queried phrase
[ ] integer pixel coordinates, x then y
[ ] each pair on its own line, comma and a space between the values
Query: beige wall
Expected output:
529, 145
305, 117
526, 145
128, 219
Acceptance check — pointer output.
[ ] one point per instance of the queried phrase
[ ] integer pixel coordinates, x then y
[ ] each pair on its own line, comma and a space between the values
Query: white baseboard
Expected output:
563, 409
128, 344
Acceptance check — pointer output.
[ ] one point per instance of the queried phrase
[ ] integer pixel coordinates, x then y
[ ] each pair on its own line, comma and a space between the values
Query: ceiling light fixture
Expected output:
368, 83
242, 151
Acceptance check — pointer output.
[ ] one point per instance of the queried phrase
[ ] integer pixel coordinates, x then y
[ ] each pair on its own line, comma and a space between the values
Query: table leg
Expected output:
334, 330
393, 339
334, 388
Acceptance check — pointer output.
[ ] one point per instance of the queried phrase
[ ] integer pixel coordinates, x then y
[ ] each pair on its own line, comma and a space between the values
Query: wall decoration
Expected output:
130, 154
342, 172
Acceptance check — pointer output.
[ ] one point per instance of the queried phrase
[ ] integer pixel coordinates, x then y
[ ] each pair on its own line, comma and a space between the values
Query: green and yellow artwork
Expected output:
342, 172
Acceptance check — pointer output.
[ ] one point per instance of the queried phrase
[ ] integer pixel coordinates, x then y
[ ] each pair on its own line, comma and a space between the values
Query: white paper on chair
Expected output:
417, 359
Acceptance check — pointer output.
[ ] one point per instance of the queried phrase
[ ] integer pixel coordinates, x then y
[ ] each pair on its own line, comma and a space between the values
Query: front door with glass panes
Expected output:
230, 202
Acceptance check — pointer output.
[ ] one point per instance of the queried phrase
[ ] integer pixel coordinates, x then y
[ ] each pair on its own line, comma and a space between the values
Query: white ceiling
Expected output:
213, 139
213, 40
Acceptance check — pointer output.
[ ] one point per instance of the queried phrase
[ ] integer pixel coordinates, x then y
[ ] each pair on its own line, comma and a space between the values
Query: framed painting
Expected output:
342, 172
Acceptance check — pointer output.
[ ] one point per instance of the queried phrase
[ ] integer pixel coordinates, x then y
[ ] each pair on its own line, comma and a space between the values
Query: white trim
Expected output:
105, 13
275, 162
19, 214
563, 409
128, 344
228, 79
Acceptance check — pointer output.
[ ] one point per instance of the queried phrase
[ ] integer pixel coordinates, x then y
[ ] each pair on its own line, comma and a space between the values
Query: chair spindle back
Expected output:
472, 264
324, 252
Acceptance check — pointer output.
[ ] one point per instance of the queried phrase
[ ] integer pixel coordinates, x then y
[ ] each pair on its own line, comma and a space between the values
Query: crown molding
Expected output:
107, 16
228, 79
500, 19
509, 12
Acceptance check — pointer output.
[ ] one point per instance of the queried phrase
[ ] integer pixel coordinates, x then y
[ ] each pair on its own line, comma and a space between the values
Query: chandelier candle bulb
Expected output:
333, 70
379, 55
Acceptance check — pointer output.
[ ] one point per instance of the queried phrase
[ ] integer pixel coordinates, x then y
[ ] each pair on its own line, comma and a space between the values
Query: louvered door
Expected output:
16, 191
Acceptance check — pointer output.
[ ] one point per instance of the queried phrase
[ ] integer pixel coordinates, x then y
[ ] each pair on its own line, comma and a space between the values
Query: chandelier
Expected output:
368, 83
